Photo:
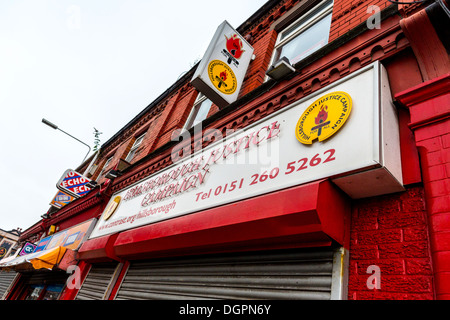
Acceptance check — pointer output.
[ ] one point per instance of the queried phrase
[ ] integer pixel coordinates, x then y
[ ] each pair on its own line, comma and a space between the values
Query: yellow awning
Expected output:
49, 258
44, 259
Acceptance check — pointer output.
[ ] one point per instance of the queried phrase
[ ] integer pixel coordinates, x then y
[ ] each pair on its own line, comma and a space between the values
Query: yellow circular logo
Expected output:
222, 77
111, 208
324, 117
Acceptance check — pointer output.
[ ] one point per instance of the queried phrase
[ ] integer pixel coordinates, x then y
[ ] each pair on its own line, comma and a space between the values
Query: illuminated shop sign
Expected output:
73, 183
220, 74
355, 144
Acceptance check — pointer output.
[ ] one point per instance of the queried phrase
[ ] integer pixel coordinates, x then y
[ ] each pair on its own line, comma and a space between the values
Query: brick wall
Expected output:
391, 232
429, 106
256, 72
117, 154
348, 14
176, 116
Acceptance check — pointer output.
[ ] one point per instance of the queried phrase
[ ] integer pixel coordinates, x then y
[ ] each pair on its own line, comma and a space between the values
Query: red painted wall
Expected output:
429, 106
435, 153
391, 232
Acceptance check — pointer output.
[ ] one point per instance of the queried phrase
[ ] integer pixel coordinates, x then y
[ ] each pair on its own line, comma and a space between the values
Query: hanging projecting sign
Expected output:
73, 183
27, 249
61, 199
220, 74
347, 132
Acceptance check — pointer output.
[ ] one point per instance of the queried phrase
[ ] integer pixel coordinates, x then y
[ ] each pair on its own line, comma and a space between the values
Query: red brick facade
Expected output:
407, 234
348, 14
429, 105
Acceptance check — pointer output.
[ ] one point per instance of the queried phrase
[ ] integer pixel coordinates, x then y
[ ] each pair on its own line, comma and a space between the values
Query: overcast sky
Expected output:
83, 64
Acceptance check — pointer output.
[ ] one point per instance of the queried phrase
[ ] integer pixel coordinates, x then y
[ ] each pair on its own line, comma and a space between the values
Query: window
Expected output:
52, 292
199, 111
134, 148
305, 35
44, 292
105, 166
34, 292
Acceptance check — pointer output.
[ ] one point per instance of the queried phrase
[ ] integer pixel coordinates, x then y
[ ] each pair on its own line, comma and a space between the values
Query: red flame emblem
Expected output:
234, 46
322, 115
223, 75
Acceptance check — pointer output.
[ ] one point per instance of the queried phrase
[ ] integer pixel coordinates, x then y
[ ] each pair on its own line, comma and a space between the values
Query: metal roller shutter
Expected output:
299, 274
6, 278
97, 282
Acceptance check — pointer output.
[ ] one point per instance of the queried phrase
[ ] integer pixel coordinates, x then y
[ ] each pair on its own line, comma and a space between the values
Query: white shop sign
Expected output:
362, 158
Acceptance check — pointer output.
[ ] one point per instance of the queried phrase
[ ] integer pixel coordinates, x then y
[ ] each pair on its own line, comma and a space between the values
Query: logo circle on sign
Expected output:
324, 117
111, 208
222, 77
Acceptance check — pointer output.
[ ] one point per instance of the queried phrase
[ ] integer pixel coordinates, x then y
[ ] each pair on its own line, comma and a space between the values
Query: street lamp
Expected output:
54, 126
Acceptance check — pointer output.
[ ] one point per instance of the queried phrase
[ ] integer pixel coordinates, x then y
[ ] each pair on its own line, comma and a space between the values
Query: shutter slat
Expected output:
6, 278
300, 274
97, 281
304, 282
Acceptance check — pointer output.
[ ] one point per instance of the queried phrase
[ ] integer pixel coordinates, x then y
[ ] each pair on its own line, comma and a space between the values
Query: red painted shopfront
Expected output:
200, 217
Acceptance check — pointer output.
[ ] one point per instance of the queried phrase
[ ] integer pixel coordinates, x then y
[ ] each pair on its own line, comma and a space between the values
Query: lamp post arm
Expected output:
78, 141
